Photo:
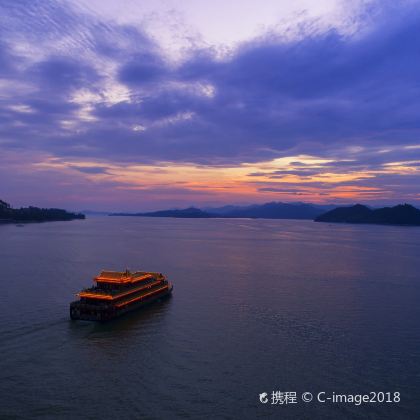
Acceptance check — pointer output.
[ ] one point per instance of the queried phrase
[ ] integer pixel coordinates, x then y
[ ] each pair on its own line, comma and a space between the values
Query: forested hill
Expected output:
403, 214
34, 214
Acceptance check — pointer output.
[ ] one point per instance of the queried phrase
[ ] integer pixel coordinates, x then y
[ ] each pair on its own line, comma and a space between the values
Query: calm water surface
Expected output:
258, 306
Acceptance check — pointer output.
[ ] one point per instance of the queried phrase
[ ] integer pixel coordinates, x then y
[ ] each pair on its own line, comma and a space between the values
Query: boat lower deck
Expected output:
104, 310
101, 294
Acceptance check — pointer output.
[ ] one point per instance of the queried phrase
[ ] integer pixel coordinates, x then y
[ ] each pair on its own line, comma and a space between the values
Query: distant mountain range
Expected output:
273, 210
190, 213
403, 214
34, 214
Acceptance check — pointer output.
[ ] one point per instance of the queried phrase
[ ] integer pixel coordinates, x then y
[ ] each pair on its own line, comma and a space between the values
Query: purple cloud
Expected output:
321, 93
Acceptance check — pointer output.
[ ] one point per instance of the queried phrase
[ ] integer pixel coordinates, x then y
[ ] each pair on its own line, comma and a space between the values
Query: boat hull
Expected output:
86, 312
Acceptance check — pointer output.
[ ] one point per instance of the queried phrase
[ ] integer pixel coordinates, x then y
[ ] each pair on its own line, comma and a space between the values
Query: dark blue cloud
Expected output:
62, 74
6, 60
143, 68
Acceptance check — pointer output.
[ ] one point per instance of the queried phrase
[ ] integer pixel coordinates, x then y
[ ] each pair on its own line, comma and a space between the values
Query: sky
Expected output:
140, 105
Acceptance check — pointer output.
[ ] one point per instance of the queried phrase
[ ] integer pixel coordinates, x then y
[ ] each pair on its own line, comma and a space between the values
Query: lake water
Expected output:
258, 306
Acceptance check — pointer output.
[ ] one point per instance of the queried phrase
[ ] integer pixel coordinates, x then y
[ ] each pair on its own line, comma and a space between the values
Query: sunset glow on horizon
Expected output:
132, 106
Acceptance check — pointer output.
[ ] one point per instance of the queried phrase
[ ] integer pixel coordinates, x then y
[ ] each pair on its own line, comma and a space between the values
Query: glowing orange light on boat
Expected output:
141, 297
123, 280
95, 296
101, 296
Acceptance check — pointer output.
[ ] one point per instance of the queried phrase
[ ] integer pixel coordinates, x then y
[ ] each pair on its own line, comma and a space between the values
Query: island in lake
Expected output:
34, 214
403, 214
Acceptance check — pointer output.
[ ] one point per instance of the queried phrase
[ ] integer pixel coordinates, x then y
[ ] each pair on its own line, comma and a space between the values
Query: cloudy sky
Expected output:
140, 105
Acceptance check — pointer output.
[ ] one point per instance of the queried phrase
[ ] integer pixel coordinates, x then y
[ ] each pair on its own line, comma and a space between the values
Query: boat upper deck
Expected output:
125, 277
112, 285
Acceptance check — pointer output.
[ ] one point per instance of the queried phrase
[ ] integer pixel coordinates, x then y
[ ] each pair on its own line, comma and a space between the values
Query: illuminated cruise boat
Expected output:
116, 293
